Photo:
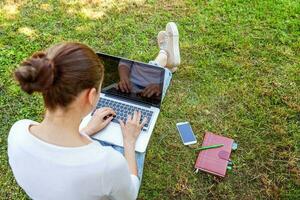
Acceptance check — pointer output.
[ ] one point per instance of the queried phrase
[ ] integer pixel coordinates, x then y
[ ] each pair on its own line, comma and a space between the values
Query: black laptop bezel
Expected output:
99, 54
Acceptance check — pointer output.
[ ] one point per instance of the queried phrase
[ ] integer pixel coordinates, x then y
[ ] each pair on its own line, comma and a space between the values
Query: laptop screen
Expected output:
132, 80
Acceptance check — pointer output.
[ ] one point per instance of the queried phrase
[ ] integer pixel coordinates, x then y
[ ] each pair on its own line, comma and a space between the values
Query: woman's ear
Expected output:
93, 97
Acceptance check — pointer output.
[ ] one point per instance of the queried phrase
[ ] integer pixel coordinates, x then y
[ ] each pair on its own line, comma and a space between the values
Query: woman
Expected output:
53, 159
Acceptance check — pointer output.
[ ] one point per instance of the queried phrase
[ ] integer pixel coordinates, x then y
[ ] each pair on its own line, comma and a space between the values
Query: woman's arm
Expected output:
129, 153
131, 131
123, 184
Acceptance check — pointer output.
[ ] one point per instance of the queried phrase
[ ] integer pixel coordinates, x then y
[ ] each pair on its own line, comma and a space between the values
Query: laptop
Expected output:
144, 94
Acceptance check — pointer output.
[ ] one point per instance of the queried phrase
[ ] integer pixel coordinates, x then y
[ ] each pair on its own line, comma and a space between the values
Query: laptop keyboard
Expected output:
123, 110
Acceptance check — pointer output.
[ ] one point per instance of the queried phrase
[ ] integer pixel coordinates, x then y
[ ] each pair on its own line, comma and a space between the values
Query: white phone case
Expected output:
185, 143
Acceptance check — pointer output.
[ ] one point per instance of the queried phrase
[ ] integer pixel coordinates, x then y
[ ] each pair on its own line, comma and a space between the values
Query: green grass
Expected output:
240, 77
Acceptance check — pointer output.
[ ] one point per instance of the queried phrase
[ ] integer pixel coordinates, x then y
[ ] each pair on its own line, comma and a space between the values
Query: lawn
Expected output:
240, 77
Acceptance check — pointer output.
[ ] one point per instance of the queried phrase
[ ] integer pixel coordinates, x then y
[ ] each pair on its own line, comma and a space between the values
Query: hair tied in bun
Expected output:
61, 72
36, 73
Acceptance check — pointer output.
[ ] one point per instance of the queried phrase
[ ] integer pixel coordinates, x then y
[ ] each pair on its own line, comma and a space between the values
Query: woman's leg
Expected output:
168, 42
169, 54
161, 58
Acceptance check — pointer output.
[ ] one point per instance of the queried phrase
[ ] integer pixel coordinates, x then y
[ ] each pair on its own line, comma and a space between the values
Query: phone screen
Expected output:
186, 132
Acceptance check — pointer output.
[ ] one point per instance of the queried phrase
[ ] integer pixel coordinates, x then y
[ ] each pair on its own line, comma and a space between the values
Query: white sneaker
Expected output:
162, 40
172, 46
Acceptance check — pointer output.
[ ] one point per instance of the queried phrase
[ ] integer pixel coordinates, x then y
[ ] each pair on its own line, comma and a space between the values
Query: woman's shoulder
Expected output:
23, 123
20, 127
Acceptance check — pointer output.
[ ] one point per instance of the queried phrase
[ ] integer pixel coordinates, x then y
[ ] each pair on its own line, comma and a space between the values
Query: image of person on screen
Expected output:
138, 79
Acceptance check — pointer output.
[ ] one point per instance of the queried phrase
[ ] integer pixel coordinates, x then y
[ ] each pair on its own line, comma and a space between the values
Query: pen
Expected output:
210, 147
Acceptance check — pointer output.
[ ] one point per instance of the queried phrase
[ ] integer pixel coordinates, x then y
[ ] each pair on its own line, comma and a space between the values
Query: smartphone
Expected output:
186, 133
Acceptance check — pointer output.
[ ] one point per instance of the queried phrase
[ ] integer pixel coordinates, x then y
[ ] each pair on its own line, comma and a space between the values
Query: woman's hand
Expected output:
150, 90
99, 120
124, 85
132, 128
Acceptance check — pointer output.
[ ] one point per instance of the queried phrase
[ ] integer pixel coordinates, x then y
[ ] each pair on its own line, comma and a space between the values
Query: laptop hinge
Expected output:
128, 100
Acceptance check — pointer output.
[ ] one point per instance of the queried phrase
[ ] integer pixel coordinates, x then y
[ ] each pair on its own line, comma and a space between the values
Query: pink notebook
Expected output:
214, 161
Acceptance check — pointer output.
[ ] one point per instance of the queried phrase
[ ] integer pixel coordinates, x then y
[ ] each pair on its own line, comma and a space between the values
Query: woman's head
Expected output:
60, 73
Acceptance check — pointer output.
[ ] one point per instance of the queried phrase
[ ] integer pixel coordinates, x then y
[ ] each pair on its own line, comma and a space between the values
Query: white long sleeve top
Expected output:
46, 171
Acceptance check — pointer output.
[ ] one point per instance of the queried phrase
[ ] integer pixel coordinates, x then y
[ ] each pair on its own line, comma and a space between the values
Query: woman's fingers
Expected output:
105, 112
106, 122
150, 93
138, 118
146, 91
129, 118
101, 109
121, 85
134, 116
128, 87
121, 124
145, 120
124, 85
